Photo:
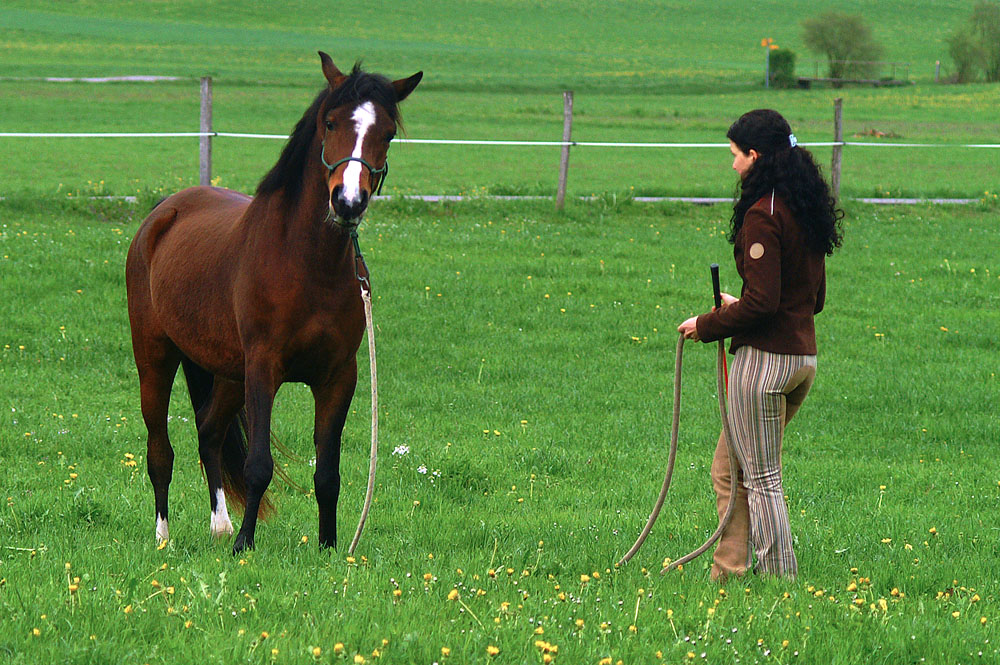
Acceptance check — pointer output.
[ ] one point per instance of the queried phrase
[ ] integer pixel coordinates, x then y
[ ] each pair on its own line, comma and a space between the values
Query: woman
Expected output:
783, 226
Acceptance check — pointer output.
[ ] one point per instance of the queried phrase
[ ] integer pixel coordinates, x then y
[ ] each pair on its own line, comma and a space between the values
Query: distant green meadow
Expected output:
525, 355
654, 72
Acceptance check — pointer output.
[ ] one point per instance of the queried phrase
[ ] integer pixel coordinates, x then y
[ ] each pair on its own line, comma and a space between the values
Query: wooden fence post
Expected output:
205, 141
838, 137
564, 161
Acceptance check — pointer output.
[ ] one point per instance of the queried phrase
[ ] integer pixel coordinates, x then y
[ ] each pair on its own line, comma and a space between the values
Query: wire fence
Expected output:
207, 133
496, 142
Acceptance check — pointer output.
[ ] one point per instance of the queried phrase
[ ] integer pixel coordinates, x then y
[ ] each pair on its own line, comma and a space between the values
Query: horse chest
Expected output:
314, 334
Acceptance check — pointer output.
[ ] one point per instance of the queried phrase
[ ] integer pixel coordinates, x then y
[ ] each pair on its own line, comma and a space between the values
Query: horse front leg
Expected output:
333, 401
259, 468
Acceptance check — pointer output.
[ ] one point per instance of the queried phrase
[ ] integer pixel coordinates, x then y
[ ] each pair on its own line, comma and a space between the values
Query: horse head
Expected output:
356, 124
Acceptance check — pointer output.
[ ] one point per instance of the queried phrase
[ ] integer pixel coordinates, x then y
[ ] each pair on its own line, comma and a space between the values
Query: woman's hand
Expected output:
689, 329
728, 299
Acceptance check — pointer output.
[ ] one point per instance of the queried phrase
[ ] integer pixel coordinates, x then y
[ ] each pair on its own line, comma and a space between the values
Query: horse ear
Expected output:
333, 75
404, 87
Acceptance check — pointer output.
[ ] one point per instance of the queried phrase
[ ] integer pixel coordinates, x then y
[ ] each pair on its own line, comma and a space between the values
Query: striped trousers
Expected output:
765, 391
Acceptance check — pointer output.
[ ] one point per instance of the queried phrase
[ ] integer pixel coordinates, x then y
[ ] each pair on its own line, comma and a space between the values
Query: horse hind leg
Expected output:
157, 368
217, 405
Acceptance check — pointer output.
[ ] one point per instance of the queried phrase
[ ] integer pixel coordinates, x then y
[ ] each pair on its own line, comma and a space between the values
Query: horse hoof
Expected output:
242, 543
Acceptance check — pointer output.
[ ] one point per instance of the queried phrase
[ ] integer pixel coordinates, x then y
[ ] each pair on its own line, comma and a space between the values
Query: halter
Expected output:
381, 173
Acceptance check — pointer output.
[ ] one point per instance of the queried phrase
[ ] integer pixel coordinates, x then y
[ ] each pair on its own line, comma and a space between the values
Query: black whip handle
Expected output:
715, 284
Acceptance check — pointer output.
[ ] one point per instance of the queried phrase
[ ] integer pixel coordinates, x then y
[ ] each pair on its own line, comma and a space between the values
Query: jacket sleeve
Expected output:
761, 242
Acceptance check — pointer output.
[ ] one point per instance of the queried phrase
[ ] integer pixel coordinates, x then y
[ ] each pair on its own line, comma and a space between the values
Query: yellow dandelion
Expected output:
956, 614
579, 623
317, 652
445, 652
453, 594
492, 650
359, 659
584, 578
338, 647
36, 632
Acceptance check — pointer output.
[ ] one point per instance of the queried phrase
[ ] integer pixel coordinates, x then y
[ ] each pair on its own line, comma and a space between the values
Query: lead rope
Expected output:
361, 270
721, 379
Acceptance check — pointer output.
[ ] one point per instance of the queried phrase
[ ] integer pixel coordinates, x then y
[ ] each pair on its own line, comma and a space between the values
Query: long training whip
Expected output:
722, 376
366, 296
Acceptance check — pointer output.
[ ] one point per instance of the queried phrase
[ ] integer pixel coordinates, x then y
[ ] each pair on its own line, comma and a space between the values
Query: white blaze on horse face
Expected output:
162, 532
220, 522
364, 118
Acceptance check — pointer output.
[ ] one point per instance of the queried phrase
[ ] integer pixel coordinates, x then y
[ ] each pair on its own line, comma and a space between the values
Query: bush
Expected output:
782, 68
847, 43
986, 26
975, 46
964, 51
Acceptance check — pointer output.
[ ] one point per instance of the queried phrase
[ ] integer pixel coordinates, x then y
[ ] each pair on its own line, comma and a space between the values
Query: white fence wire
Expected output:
574, 144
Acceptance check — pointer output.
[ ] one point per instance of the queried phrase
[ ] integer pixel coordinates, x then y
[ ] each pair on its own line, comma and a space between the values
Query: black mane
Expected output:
359, 86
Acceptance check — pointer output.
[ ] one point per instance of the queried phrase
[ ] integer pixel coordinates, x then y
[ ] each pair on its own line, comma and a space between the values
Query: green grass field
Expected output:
525, 355
525, 361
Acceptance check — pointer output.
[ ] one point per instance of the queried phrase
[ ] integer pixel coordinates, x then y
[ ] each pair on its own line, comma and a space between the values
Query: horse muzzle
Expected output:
348, 212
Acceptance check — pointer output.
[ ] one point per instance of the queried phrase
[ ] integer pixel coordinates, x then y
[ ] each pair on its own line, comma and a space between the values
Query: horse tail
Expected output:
234, 443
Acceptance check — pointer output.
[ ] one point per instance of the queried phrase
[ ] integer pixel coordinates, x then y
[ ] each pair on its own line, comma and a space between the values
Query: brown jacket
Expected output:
784, 285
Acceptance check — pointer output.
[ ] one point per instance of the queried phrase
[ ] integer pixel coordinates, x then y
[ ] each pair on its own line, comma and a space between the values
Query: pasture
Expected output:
525, 355
526, 362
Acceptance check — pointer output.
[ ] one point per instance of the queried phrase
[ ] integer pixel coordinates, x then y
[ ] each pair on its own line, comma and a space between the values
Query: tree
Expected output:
985, 22
964, 51
975, 45
847, 43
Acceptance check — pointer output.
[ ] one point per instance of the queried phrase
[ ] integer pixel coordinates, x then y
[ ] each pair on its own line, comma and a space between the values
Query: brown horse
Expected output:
249, 293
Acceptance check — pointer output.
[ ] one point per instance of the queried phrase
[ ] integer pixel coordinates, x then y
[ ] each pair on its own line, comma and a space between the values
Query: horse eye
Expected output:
329, 125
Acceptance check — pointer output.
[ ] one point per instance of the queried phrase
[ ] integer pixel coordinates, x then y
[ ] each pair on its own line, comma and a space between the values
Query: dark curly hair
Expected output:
791, 173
